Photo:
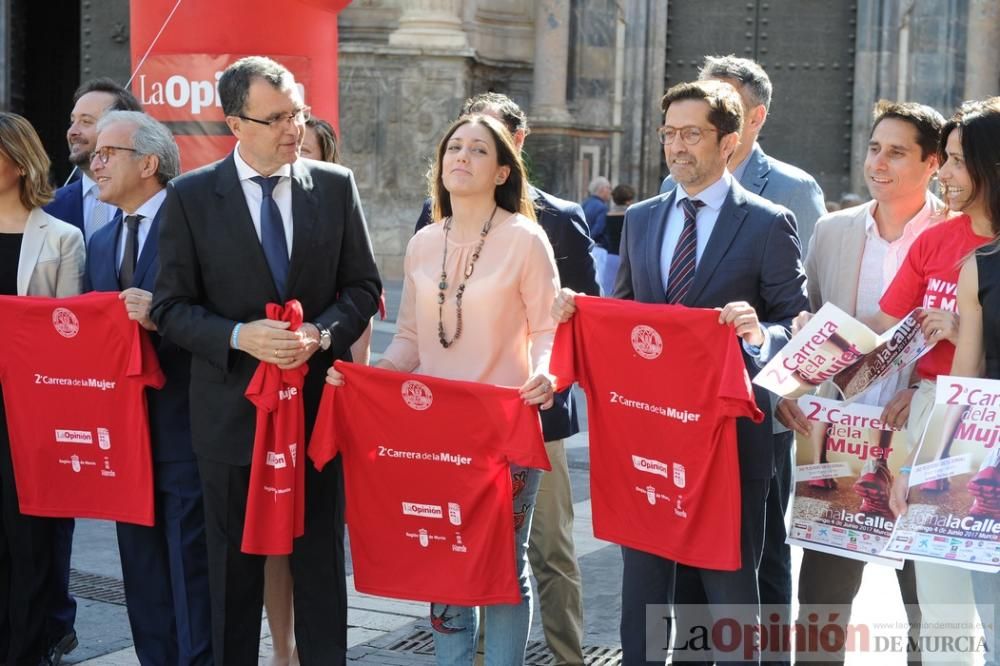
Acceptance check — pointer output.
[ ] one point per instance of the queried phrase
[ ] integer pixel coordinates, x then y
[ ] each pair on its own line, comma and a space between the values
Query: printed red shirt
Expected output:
276, 496
928, 278
664, 386
74, 374
428, 482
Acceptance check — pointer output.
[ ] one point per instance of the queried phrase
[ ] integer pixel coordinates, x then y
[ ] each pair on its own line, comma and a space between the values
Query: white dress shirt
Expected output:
282, 194
148, 210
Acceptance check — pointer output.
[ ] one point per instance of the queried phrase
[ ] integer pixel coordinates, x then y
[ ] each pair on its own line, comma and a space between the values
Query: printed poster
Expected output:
843, 475
834, 346
954, 497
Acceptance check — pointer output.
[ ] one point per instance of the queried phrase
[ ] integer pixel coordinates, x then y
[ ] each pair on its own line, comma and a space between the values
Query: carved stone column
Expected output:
431, 24
551, 60
982, 54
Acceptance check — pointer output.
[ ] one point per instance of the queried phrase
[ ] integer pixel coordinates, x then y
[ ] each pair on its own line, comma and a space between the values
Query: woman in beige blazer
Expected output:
39, 256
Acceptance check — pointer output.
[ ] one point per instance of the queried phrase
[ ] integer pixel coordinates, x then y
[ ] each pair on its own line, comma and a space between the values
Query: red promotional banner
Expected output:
177, 83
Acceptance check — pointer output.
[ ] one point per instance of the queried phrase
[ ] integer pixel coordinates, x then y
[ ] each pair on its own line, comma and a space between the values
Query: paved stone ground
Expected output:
390, 632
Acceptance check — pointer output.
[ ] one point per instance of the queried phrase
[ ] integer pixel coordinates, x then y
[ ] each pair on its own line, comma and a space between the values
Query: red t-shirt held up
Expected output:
74, 374
427, 476
276, 496
928, 278
664, 386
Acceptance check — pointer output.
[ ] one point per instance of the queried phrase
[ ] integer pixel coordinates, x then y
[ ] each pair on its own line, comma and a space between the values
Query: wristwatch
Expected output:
324, 336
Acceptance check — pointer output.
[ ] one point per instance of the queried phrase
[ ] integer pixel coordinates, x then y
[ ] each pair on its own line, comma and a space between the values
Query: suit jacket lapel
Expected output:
755, 175
656, 225
852, 248
305, 213
31, 248
726, 227
238, 227
149, 250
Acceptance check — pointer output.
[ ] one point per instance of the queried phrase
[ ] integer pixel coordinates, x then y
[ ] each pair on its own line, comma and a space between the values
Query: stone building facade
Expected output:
589, 73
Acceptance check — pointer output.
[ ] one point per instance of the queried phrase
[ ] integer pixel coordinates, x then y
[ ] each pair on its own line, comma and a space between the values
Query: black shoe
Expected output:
62, 647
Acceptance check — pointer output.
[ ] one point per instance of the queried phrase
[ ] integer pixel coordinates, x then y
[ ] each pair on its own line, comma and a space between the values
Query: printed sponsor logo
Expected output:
103, 439
680, 478
288, 393
651, 466
416, 395
74, 436
646, 342
65, 322
422, 510
454, 513
276, 460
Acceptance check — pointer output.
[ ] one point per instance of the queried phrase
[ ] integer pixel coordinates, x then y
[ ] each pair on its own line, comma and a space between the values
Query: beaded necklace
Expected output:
443, 284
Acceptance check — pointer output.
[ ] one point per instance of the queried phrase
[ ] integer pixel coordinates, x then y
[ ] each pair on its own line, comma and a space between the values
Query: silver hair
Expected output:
751, 76
597, 184
150, 137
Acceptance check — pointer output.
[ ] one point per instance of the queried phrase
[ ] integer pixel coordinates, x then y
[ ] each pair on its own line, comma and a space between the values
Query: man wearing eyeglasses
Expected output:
708, 243
164, 567
259, 227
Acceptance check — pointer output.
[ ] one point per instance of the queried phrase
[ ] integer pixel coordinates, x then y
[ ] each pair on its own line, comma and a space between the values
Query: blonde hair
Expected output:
20, 143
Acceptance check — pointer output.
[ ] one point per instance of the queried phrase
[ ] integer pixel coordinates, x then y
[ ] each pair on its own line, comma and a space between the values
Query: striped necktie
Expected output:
682, 266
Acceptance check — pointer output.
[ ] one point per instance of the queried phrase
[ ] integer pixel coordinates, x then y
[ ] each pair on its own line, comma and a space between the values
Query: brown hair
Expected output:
725, 108
326, 138
512, 195
20, 143
925, 120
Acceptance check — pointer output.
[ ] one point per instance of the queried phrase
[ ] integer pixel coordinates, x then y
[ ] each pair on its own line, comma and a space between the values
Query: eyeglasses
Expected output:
296, 117
689, 135
104, 153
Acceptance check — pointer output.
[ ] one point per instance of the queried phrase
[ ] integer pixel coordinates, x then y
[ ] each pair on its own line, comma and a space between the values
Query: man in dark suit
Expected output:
551, 549
264, 226
747, 262
791, 187
164, 567
78, 202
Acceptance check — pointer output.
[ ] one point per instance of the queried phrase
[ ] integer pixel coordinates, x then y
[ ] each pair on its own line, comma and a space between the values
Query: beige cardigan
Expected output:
53, 257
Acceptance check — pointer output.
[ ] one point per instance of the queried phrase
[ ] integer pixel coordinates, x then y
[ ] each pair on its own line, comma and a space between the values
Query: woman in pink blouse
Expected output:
475, 307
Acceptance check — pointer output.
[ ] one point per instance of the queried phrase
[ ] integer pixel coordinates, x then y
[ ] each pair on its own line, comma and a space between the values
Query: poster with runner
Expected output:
954, 497
843, 475
837, 347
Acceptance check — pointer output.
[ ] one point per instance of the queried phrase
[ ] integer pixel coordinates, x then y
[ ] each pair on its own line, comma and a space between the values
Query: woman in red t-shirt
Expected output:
978, 184
969, 153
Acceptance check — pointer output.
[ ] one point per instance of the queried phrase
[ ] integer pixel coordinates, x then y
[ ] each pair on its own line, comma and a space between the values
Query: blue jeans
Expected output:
507, 624
986, 589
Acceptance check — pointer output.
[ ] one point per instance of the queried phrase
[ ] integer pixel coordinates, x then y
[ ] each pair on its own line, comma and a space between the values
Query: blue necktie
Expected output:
272, 233
682, 266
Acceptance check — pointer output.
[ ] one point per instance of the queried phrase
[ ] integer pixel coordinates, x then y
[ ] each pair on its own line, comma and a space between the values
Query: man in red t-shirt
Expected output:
429, 488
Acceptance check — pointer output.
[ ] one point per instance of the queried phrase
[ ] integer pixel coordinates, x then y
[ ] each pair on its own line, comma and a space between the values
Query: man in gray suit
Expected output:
793, 188
747, 263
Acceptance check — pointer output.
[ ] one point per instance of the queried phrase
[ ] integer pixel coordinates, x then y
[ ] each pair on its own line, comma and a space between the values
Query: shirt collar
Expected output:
916, 226
712, 196
149, 208
87, 184
246, 172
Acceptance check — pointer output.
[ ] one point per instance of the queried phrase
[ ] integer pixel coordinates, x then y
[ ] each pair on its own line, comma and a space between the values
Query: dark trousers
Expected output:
649, 580
827, 580
62, 607
165, 569
236, 580
775, 572
25, 571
